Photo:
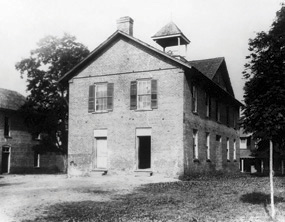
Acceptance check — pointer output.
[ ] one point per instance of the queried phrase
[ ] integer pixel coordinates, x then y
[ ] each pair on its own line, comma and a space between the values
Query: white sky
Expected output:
215, 27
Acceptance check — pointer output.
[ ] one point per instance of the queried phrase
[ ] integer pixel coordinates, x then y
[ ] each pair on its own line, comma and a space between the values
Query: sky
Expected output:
216, 28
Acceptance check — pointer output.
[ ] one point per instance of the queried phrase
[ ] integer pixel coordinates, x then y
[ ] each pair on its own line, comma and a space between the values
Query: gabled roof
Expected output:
208, 67
11, 100
81, 65
118, 34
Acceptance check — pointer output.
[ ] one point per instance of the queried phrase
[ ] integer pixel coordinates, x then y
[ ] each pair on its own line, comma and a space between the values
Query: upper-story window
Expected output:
143, 94
7, 127
218, 113
228, 115
194, 99
101, 97
208, 105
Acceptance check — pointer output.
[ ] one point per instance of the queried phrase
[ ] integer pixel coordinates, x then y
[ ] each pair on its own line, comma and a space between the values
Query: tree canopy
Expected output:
46, 108
264, 111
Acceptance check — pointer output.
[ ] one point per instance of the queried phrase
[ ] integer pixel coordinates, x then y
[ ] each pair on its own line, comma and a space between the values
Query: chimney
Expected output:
125, 24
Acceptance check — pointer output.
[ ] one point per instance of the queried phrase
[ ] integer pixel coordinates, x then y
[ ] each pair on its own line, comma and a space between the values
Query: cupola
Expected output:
171, 36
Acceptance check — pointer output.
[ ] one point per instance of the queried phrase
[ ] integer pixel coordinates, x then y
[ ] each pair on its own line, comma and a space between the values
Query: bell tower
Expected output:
171, 37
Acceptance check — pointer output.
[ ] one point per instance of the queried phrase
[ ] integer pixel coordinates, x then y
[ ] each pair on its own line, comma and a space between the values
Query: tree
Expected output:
46, 108
264, 111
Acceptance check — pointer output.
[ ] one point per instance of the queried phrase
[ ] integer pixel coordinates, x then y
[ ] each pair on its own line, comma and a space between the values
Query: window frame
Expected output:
235, 151
7, 127
208, 105
195, 145
93, 99
208, 146
37, 160
228, 149
194, 99
139, 94
135, 94
218, 111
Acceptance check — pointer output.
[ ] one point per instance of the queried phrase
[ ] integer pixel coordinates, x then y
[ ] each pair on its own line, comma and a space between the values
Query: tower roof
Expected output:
167, 36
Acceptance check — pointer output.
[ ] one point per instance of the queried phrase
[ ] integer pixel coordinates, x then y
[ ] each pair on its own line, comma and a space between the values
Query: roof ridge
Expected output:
221, 57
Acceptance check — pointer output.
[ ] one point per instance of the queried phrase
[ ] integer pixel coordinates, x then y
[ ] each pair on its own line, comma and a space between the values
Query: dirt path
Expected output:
24, 197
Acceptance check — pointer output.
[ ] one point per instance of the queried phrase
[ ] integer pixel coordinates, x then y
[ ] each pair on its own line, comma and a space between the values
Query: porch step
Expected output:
98, 172
143, 173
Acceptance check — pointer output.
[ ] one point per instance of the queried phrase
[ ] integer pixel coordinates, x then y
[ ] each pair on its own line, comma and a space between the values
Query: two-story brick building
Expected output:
134, 108
16, 143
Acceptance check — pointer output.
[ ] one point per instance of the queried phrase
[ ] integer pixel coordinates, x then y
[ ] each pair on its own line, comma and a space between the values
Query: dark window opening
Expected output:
144, 152
6, 127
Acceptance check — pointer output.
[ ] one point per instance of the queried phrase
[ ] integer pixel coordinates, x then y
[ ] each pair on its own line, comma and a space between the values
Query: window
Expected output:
194, 99
195, 144
218, 114
228, 149
143, 94
228, 115
37, 157
6, 127
243, 142
208, 105
208, 145
235, 151
101, 97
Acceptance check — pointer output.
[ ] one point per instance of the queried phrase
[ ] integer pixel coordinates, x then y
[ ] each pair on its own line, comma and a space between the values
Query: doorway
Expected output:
101, 152
144, 152
5, 159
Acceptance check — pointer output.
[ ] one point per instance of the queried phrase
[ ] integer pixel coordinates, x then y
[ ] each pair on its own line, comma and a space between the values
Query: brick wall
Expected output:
203, 124
172, 123
21, 152
120, 64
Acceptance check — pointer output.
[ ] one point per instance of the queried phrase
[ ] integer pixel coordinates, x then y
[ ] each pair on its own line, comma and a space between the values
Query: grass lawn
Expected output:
218, 198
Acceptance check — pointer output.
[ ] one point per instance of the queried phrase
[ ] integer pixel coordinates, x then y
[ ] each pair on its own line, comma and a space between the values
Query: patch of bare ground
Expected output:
127, 198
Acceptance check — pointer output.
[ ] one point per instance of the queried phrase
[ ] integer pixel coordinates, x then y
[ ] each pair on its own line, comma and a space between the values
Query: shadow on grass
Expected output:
130, 207
9, 184
95, 191
259, 198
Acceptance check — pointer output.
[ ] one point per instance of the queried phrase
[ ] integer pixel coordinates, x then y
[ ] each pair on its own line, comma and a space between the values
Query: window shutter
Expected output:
110, 96
91, 99
133, 95
154, 104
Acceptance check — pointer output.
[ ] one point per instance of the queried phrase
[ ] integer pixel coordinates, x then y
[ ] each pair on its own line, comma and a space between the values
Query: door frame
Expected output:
97, 133
143, 131
95, 165
9, 157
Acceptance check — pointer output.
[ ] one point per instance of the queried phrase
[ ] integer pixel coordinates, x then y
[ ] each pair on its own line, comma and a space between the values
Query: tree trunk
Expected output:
271, 181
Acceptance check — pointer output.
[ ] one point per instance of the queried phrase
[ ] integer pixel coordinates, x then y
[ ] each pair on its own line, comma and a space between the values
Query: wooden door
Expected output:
102, 153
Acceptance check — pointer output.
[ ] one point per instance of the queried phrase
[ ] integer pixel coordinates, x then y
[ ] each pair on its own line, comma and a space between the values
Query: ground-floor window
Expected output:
228, 149
37, 159
208, 146
235, 150
195, 144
